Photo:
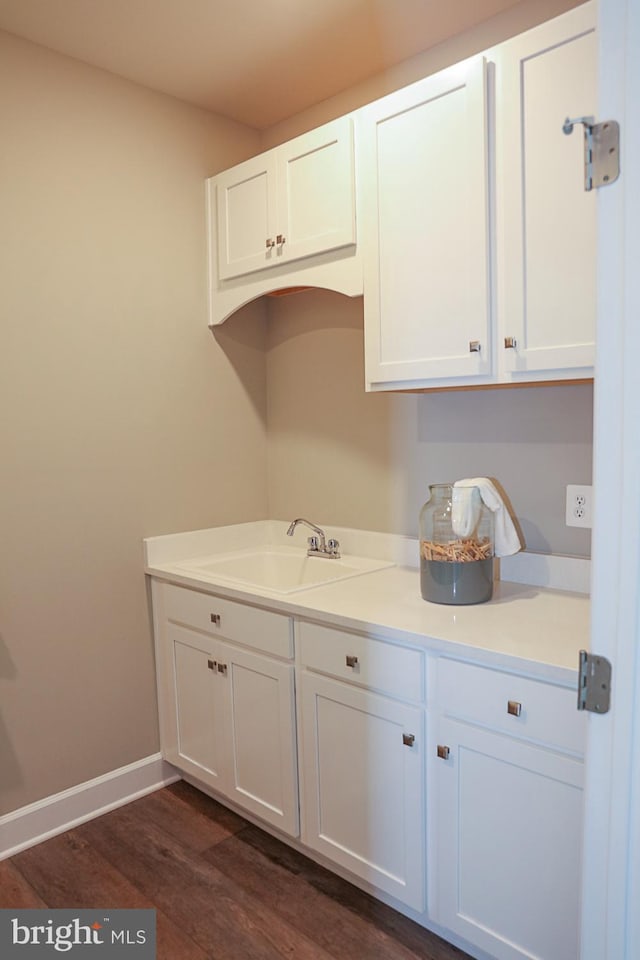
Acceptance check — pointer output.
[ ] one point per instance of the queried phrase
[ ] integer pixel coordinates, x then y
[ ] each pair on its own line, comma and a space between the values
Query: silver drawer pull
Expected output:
474, 346
215, 619
510, 343
443, 752
408, 739
211, 664
222, 668
351, 661
514, 708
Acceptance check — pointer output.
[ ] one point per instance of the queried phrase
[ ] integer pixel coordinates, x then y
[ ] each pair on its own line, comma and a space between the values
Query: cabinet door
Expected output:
363, 788
291, 202
507, 831
316, 191
198, 743
260, 736
426, 230
246, 197
547, 221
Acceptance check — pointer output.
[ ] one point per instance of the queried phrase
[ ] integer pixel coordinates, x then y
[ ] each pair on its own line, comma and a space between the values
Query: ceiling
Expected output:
256, 61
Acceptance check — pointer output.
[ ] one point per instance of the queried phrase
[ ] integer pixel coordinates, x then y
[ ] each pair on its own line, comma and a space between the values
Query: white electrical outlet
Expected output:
579, 505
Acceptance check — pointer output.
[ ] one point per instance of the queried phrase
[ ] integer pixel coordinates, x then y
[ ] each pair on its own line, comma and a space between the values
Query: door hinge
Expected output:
594, 682
601, 150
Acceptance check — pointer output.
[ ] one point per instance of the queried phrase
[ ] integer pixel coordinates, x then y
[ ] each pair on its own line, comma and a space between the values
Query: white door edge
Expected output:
611, 876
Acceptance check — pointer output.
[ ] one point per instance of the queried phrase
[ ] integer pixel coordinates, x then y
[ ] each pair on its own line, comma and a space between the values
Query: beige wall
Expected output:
338, 455
120, 414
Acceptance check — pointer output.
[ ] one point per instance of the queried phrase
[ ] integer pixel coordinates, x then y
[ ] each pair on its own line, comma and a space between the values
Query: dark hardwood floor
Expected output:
223, 889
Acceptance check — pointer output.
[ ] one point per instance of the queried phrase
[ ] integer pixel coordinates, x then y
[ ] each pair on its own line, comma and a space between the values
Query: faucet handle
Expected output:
314, 543
333, 547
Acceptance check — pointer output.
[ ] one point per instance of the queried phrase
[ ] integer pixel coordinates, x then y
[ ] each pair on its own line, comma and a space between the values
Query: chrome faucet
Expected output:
319, 546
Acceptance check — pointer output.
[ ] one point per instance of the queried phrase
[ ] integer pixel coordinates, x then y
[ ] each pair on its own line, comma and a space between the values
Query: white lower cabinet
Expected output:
228, 713
362, 758
198, 744
460, 798
506, 814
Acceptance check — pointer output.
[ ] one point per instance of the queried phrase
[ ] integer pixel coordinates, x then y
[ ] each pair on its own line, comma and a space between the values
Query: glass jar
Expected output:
456, 567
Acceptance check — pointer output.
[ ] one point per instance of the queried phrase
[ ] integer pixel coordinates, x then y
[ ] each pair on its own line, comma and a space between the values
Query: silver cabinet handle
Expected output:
211, 664
514, 708
270, 243
222, 668
510, 343
474, 346
280, 239
408, 739
215, 619
443, 752
351, 661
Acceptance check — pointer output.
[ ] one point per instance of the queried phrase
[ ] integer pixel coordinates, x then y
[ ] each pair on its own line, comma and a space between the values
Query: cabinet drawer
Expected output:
259, 629
397, 671
511, 704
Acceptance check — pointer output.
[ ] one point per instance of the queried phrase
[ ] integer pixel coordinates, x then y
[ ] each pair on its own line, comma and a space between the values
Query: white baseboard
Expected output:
45, 818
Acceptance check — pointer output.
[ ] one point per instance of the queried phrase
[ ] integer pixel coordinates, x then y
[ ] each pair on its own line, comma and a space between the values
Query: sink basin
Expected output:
279, 569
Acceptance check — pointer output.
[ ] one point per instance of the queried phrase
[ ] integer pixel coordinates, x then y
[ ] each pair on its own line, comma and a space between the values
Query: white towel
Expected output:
464, 514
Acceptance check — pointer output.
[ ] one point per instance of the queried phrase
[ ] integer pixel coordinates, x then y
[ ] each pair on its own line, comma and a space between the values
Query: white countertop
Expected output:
524, 628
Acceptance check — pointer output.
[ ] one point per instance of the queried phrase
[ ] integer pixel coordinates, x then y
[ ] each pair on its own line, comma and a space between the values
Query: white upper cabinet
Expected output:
294, 201
480, 239
476, 240
546, 227
246, 220
316, 192
286, 218
426, 223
